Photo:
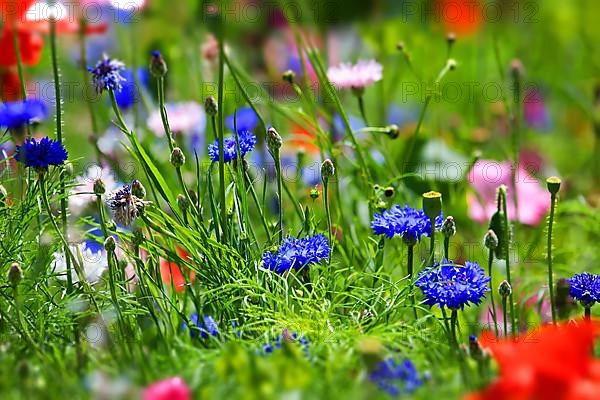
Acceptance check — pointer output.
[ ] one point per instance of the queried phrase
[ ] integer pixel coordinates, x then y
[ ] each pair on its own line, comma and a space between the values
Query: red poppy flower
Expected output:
549, 362
303, 139
16, 17
462, 17
172, 273
10, 86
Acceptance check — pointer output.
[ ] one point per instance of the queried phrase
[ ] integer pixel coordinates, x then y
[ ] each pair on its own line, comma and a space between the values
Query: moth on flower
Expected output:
125, 205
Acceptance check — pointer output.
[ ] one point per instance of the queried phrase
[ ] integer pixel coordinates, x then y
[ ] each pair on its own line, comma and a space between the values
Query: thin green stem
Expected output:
513, 317
59, 137
361, 106
493, 312
550, 260
328, 212
410, 266
221, 135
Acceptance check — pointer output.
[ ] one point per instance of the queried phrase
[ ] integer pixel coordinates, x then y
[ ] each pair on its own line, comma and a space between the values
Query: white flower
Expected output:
93, 263
83, 195
187, 117
357, 76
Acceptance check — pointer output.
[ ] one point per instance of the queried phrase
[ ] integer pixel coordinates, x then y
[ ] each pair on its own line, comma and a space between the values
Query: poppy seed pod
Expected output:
553, 184
432, 204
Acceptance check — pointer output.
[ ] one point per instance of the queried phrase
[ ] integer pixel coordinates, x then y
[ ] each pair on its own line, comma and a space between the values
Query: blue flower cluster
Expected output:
129, 93
453, 286
585, 287
207, 326
16, 114
244, 119
297, 253
106, 75
406, 222
247, 141
396, 378
41, 154
302, 341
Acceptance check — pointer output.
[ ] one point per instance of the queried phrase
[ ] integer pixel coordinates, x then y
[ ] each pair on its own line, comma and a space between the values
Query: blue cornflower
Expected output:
244, 119
585, 287
396, 378
41, 154
15, 114
206, 327
408, 223
106, 75
247, 141
297, 253
128, 94
453, 286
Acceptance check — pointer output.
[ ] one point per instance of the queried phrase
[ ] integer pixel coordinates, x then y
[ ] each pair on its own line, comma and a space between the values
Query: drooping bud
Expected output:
327, 169
449, 227
451, 63
504, 289
490, 240
274, 141
388, 191
99, 187
553, 184
393, 131
137, 189
110, 244
432, 204
158, 65
210, 106
289, 76
15, 274
314, 193
182, 202
177, 158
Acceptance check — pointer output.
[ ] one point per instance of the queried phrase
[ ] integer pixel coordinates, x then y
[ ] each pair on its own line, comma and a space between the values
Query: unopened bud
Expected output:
475, 349
15, 274
388, 191
451, 38
138, 237
449, 227
289, 76
193, 196
327, 169
451, 63
314, 193
99, 187
137, 189
274, 141
182, 202
210, 106
158, 65
110, 244
490, 240
400, 46
504, 289
393, 131
516, 67
177, 158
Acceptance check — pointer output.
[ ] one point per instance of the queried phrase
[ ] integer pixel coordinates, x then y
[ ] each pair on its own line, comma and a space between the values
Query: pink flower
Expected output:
83, 193
357, 76
168, 389
187, 117
487, 175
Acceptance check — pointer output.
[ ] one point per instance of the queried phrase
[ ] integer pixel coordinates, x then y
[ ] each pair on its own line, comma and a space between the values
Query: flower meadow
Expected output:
299, 199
